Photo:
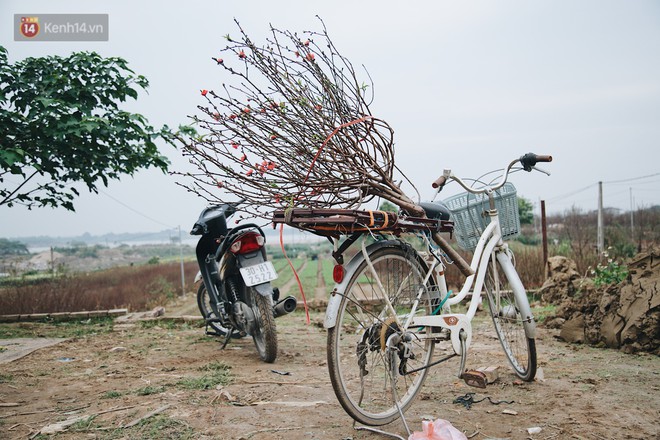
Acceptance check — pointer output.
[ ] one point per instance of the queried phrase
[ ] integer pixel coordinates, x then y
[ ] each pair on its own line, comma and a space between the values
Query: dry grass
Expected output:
136, 288
529, 264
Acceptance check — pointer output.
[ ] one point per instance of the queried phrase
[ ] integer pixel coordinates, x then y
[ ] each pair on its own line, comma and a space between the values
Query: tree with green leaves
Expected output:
388, 207
525, 211
61, 124
12, 247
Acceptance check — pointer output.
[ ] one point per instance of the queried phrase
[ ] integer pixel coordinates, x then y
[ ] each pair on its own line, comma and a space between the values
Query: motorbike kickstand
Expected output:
227, 337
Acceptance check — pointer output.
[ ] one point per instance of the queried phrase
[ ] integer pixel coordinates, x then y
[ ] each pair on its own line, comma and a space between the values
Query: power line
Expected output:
609, 182
632, 179
564, 196
136, 211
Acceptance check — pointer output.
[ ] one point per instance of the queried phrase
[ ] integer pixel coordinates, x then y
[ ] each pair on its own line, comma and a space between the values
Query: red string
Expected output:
294, 272
318, 153
334, 132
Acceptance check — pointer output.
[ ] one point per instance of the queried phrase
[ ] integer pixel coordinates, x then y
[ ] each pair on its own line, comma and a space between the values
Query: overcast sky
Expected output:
466, 85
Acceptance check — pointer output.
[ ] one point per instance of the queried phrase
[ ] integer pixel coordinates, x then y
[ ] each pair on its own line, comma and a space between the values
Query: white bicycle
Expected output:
391, 307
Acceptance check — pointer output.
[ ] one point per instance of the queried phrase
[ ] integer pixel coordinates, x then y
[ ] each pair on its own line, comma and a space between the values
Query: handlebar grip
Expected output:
530, 159
439, 182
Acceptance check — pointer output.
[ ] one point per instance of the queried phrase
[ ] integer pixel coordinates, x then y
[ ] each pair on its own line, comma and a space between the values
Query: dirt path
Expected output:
321, 291
290, 288
123, 376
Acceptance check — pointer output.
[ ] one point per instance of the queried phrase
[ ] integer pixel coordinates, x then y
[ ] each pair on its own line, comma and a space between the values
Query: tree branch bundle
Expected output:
290, 127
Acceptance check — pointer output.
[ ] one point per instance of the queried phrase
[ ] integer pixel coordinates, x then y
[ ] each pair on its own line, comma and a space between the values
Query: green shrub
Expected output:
610, 273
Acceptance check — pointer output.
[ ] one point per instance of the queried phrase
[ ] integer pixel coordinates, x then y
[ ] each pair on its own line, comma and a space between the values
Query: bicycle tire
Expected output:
208, 312
510, 326
365, 392
265, 335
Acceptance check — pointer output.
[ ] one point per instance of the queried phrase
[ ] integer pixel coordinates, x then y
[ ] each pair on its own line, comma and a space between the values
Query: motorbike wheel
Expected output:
209, 312
265, 335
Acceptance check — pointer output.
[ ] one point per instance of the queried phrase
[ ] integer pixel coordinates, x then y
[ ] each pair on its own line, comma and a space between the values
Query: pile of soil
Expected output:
625, 316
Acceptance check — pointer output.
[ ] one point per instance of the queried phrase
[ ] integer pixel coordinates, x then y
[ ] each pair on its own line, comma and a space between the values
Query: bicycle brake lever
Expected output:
541, 170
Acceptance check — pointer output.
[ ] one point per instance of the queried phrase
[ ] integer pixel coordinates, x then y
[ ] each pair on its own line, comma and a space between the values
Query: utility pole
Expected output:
632, 230
544, 229
601, 234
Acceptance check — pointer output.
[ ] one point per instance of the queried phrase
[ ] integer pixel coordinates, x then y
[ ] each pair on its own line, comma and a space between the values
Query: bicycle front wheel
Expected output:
505, 308
371, 381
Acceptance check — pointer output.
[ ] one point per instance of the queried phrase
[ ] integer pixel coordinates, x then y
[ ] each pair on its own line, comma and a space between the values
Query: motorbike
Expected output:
235, 295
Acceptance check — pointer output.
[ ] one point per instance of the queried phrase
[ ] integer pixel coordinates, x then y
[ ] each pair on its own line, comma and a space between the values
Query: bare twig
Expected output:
146, 416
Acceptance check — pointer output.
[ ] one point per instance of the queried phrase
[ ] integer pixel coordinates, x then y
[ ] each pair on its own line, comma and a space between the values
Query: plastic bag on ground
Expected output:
437, 430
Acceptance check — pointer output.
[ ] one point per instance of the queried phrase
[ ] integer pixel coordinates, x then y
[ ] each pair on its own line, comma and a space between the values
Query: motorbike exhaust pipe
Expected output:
287, 305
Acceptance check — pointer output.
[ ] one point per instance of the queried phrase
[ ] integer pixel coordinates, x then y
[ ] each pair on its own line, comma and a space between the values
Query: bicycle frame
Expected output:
490, 244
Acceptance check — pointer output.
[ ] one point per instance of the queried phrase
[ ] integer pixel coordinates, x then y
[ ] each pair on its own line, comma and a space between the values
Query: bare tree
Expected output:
580, 232
647, 227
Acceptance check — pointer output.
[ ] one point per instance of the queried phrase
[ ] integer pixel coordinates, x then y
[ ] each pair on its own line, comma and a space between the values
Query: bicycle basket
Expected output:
468, 214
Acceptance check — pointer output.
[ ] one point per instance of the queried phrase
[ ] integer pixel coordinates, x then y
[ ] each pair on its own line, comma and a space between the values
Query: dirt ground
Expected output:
128, 384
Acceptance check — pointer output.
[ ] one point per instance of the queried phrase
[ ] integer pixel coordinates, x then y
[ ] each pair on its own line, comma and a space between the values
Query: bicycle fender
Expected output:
338, 292
521, 296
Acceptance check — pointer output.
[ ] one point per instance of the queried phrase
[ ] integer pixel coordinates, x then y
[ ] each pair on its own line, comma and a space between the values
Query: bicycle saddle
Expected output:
435, 210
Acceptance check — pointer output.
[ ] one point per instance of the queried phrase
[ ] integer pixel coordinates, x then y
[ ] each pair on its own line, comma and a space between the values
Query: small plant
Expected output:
83, 424
217, 373
6, 378
149, 390
111, 395
610, 273
162, 426
161, 289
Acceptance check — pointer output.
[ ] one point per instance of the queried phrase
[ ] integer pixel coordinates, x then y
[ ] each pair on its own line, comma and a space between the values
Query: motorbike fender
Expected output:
264, 289
337, 294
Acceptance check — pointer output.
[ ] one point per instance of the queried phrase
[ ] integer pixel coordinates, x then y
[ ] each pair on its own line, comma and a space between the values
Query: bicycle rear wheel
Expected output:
365, 374
505, 309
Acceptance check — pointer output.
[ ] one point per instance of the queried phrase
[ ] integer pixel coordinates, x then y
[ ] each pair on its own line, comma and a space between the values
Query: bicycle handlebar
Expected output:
528, 162
439, 182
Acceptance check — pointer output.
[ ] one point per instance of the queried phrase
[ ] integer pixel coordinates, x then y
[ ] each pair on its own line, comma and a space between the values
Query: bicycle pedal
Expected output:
475, 378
